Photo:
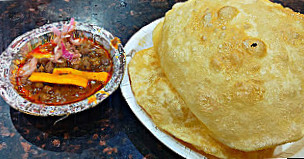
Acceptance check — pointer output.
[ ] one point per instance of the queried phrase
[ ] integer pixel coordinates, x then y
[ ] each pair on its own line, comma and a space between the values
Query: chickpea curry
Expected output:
64, 70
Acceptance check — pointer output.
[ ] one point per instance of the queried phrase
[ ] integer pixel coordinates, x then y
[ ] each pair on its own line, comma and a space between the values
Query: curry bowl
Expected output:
26, 43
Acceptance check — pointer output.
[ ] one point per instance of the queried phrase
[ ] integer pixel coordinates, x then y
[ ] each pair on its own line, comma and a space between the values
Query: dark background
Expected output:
110, 130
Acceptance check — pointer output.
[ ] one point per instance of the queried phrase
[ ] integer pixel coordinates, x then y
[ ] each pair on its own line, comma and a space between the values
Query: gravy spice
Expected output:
63, 71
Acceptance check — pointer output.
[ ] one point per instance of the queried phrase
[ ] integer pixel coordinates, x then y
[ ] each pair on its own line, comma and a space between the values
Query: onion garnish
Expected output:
57, 55
65, 53
59, 50
75, 41
28, 68
56, 31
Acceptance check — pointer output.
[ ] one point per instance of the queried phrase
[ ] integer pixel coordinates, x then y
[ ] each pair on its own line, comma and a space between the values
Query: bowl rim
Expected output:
16, 101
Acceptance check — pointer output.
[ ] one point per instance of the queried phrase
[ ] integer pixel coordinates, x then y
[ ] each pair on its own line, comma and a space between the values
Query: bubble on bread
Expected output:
169, 112
238, 69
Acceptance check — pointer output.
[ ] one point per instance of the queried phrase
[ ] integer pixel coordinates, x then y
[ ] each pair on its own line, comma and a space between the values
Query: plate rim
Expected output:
140, 113
177, 146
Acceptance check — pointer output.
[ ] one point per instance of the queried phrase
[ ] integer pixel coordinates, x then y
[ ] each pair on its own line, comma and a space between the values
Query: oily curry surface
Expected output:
94, 58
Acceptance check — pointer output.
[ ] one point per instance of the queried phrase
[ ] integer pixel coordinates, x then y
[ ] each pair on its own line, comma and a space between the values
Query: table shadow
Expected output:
74, 134
295, 5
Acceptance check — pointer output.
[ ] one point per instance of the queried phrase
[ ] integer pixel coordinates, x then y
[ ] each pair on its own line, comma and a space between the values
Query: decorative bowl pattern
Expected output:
44, 34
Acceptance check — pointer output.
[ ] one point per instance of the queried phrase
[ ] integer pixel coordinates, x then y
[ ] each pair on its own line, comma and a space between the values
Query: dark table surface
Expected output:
109, 130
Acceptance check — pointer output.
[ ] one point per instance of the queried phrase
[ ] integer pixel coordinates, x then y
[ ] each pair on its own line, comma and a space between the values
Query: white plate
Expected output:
143, 40
139, 41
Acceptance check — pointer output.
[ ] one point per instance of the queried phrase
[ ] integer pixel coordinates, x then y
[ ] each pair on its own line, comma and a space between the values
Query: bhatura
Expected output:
232, 68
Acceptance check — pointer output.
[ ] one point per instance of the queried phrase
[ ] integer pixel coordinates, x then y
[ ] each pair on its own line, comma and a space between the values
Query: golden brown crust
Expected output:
168, 111
238, 65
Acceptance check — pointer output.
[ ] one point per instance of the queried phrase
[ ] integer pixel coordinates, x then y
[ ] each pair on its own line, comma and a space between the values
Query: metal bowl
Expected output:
44, 34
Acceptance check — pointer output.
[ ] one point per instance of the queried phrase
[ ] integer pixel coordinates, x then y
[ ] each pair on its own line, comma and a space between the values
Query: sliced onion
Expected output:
60, 35
75, 42
28, 68
65, 53
57, 53
71, 25
56, 31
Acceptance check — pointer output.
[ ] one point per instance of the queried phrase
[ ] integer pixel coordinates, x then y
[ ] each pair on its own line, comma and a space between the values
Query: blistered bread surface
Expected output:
168, 111
238, 66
